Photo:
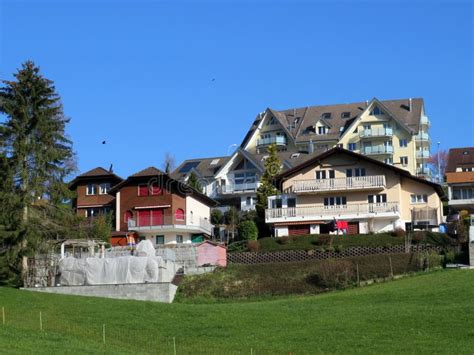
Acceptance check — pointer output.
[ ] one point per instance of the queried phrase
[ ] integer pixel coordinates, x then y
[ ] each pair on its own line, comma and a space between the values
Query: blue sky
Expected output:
139, 74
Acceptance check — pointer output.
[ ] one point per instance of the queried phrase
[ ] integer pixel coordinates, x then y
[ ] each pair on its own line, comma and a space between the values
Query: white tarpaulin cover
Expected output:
120, 270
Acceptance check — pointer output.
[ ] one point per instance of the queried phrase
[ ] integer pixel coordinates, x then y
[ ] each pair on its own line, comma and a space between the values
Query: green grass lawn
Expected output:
430, 313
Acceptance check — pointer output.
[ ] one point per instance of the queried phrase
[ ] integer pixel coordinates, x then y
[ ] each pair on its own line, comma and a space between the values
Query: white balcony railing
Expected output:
422, 136
376, 132
196, 224
354, 210
309, 212
425, 154
278, 140
425, 121
339, 184
378, 149
238, 188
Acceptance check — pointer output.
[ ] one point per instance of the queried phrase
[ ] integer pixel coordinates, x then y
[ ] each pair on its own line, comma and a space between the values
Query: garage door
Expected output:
298, 230
353, 227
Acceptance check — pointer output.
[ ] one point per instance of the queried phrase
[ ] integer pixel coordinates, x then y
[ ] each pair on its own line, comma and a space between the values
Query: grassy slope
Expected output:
427, 313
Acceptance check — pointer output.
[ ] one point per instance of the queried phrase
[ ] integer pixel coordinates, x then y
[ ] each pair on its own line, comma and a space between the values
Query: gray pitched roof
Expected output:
308, 116
203, 168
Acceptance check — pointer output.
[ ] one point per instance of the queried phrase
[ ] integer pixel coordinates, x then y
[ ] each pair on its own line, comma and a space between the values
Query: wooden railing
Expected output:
322, 210
350, 183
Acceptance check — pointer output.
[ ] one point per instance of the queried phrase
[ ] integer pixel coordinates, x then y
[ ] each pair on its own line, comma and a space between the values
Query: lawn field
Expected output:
430, 313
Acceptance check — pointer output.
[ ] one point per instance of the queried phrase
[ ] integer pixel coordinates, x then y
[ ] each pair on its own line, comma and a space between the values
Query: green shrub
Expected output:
323, 239
253, 245
284, 240
333, 274
418, 237
248, 230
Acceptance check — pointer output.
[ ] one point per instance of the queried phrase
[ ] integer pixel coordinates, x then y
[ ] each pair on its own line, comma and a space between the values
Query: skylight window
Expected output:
345, 115
294, 155
326, 115
214, 161
188, 166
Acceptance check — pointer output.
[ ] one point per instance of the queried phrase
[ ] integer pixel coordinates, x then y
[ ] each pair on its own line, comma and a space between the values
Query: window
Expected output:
376, 111
345, 115
248, 201
348, 172
160, 240
92, 212
334, 202
91, 189
463, 193
104, 188
276, 203
179, 239
419, 198
382, 198
359, 171
128, 215
272, 121
403, 143
150, 217
156, 190
367, 127
467, 169
326, 115
291, 202
340, 145
142, 190
352, 146
322, 130
388, 161
179, 215
320, 174
404, 161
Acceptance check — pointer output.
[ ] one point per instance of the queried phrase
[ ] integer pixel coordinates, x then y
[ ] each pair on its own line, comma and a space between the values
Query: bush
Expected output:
323, 239
253, 245
334, 274
284, 240
248, 230
398, 232
418, 237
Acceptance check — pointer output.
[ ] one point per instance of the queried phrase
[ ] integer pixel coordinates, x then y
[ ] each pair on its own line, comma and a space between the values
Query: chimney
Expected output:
409, 104
111, 169
366, 103
310, 147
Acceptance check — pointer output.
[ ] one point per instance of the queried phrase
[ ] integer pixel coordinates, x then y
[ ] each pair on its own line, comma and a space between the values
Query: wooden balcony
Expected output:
322, 212
373, 182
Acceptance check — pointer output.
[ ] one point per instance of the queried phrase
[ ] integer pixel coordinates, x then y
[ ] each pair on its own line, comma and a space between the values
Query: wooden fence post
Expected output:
391, 268
103, 333
41, 322
3, 315
358, 277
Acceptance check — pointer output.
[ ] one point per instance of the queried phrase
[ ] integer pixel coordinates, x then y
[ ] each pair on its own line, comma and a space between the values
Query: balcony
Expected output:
425, 121
376, 132
321, 212
422, 154
462, 197
339, 184
170, 224
278, 140
237, 188
423, 171
422, 137
378, 150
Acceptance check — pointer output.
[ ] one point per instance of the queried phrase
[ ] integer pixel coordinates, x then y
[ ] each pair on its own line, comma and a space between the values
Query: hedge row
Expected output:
244, 281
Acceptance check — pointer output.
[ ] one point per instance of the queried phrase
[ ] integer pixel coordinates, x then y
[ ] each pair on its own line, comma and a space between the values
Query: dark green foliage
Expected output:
248, 230
193, 181
267, 188
246, 281
36, 157
217, 218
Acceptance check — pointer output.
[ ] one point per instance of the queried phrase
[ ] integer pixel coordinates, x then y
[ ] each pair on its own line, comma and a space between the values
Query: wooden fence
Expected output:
316, 254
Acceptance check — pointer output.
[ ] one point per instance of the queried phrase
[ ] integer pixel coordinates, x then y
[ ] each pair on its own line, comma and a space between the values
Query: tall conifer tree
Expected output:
34, 147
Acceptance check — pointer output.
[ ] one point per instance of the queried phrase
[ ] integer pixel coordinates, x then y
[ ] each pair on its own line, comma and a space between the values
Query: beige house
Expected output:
357, 193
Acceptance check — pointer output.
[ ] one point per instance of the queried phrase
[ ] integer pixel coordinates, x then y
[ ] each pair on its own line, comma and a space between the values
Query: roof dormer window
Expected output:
326, 115
345, 115
322, 130
272, 121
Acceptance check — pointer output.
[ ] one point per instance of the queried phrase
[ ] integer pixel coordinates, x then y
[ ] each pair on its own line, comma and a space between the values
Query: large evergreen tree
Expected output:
272, 167
37, 156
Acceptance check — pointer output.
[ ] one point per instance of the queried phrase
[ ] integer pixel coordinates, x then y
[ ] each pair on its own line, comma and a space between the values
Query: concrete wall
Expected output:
159, 292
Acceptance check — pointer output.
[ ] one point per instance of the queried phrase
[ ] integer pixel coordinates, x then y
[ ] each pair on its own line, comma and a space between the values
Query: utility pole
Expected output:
439, 166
